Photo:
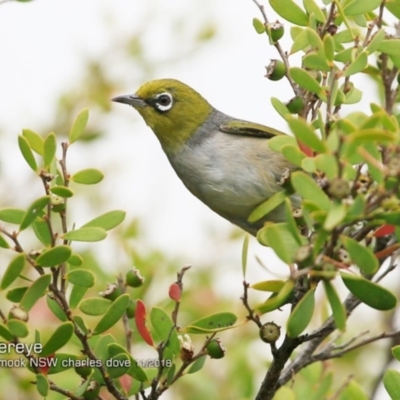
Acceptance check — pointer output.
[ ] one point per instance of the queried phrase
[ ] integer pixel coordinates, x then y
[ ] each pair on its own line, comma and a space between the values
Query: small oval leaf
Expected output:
33, 211
362, 256
107, 221
18, 328
301, 315
35, 292
62, 191
13, 271
213, 323
165, 329
81, 277
369, 293
89, 176
79, 125
27, 152
54, 256
113, 314
94, 305
86, 235
50, 146
12, 215
58, 339
36, 142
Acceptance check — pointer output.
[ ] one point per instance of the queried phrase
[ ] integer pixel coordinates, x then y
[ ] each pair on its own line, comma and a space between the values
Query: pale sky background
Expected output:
44, 45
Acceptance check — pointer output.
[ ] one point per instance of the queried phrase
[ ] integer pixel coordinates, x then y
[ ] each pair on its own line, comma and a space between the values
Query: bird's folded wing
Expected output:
239, 127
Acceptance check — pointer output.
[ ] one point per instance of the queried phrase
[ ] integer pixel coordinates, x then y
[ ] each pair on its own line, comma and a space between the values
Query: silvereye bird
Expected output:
223, 161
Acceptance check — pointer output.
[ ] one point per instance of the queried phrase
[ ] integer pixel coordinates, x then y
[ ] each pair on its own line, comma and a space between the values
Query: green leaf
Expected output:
3, 243
291, 223
5, 333
304, 79
315, 41
281, 109
376, 40
213, 323
396, 352
369, 293
313, 8
76, 295
304, 132
258, 26
62, 362
301, 315
338, 310
278, 142
113, 314
197, 365
300, 42
18, 328
42, 232
329, 47
62, 191
94, 305
308, 189
56, 309
165, 329
290, 11
362, 256
119, 365
356, 7
390, 46
328, 164
36, 142
35, 292
273, 286
285, 393
358, 65
107, 221
79, 125
15, 295
54, 256
89, 176
317, 62
49, 147
293, 154
13, 271
280, 239
75, 260
374, 134
58, 339
81, 277
86, 235
27, 152
12, 215
135, 371
267, 206
33, 211
353, 391
245, 251
391, 381
393, 7
277, 300
336, 214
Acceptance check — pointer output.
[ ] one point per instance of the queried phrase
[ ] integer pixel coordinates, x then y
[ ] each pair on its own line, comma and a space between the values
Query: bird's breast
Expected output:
231, 174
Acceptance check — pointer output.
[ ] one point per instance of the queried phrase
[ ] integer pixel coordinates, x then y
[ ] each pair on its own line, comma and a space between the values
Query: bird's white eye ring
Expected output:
164, 101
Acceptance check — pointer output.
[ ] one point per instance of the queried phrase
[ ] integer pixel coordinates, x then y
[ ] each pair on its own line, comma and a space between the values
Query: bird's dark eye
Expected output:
163, 101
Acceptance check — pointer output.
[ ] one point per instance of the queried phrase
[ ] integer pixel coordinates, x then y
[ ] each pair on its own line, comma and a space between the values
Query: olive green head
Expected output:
173, 110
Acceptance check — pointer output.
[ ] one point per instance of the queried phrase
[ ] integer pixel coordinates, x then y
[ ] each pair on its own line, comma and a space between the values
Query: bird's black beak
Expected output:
130, 99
